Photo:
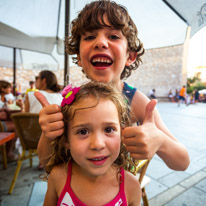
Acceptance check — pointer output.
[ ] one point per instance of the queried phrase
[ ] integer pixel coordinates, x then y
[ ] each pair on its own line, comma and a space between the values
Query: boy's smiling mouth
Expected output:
101, 61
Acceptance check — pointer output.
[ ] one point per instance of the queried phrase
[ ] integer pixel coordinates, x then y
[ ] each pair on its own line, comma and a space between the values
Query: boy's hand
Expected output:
50, 118
143, 141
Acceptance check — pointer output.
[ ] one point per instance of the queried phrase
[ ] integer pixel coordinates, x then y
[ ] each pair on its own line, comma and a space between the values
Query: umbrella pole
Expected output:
66, 59
14, 71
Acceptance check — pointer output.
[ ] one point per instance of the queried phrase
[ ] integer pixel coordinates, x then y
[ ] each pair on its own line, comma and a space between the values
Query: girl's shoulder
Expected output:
130, 179
58, 171
58, 177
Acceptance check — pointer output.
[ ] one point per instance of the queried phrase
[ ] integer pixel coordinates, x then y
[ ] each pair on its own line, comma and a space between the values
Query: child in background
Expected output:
5, 120
104, 38
86, 165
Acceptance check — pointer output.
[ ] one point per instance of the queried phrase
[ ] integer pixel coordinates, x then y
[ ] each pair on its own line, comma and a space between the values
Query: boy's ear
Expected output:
79, 61
131, 59
66, 145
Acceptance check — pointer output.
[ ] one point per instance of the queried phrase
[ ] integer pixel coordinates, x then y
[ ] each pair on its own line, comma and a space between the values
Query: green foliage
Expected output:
199, 85
194, 83
192, 80
190, 89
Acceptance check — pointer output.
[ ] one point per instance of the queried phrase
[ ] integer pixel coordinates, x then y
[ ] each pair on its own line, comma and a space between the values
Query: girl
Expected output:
104, 39
86, 165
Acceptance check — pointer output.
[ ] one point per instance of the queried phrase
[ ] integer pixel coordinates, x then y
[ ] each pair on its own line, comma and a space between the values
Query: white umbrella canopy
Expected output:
160, 23
38, 25
32, 25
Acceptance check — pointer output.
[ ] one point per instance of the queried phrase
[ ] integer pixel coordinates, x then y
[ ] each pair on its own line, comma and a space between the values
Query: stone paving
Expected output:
167, 187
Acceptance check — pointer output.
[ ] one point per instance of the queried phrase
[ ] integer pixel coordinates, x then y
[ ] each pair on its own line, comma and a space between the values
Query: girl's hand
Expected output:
50, 118
144, 141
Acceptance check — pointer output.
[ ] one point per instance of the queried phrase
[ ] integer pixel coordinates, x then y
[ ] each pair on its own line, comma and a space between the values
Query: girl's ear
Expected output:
79, 61
131, 59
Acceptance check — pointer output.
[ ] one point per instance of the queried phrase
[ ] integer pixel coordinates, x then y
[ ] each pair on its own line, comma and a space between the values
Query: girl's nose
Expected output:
101, 43
97, 142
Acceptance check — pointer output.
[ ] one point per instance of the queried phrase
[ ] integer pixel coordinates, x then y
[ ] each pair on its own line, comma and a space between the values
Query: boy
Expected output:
104, 38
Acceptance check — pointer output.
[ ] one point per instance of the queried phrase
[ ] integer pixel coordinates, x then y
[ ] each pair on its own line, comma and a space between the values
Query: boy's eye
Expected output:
89, 37
109, 130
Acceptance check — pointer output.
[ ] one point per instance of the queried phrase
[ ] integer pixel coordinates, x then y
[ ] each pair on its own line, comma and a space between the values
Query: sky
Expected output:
197, 51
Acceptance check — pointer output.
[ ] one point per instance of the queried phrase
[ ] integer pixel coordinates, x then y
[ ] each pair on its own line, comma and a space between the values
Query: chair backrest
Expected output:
1, 127
137, 167
142, 168
28, 129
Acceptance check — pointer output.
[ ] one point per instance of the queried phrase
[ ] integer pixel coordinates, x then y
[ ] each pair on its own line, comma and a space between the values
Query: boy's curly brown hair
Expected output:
91, 18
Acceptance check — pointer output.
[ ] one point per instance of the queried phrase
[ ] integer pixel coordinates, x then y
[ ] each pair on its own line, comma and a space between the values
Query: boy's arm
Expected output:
132, 190
52, 125
153, 137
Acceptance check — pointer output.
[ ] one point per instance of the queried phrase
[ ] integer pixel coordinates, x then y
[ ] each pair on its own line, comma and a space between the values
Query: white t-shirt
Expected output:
52, 98
7, 97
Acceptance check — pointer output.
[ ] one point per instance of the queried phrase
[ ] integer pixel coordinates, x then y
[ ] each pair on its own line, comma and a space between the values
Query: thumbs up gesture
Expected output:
50, 118
143, 141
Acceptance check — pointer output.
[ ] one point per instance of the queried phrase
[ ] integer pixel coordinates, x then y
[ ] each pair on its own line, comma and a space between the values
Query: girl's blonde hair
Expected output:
97, 91
91, 18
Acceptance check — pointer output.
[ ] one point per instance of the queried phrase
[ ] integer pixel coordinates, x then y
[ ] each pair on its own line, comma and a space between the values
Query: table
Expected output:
5, 137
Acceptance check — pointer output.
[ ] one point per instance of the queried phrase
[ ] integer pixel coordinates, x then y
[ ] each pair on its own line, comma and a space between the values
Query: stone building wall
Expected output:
161, 69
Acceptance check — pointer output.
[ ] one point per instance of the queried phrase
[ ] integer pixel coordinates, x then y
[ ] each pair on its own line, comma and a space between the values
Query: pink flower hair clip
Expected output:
68, 94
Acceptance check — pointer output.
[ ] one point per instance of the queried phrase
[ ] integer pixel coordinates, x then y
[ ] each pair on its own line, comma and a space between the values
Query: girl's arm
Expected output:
152, 136
132, 190
51, 198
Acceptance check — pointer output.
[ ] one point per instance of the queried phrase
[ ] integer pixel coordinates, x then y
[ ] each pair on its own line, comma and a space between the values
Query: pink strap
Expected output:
67, 184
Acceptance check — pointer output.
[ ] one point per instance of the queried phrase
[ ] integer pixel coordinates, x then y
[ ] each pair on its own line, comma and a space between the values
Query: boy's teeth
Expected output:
101, 60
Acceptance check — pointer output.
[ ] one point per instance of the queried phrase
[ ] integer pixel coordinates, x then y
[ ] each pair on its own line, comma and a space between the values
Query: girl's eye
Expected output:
83, 132
113, 37
109, 130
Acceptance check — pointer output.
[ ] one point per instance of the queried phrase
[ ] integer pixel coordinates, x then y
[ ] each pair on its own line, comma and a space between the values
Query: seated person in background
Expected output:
8, 125
171, 96
46, 83
152, 94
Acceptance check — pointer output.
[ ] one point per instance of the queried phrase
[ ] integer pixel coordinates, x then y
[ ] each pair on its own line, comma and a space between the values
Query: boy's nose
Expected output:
101, 43
97, 142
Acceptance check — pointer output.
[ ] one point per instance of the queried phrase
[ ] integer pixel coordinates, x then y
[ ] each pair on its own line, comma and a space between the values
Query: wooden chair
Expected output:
143, 179
29, 132
139, 169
